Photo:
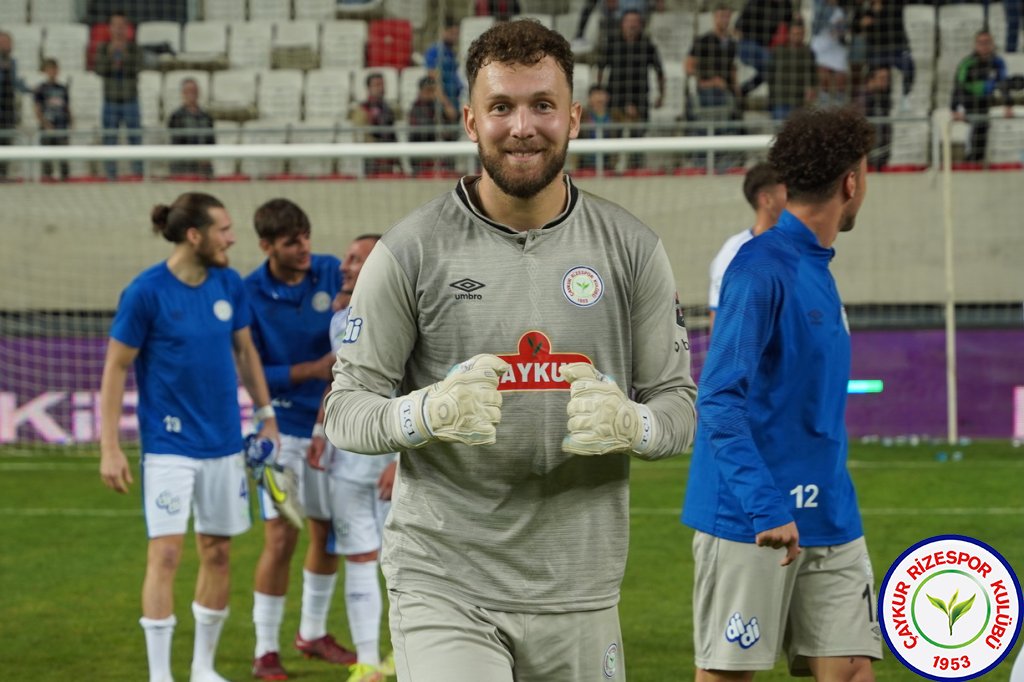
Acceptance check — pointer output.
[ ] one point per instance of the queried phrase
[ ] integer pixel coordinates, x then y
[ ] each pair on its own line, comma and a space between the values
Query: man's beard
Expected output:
208, 255
494, 162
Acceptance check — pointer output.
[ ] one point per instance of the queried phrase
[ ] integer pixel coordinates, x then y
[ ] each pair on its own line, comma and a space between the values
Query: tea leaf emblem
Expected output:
953, 610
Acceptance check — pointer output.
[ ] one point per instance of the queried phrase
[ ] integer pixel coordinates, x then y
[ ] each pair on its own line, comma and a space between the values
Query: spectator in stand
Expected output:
119, 62
712, 61
878, 26
828, 41
877, 100
377, 115
977, 78
442, 61
596, 122
197, 127
53, 111
1014, 10
793, 80
611, 13
10, 85
629, 55
761, 26
501, 10
427, 113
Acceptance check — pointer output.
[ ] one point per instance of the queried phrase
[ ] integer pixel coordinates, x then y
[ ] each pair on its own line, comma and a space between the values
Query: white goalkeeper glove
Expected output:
602, 419
462, 408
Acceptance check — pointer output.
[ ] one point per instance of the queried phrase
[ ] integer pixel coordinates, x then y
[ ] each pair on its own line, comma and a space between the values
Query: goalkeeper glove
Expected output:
280, 483
462, 408
602, 419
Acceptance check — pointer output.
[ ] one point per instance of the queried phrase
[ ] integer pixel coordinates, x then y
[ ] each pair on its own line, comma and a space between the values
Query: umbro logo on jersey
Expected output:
466, 287
816, 316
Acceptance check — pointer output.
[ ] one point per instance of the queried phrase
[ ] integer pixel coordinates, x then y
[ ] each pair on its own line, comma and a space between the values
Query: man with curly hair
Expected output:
779, 553
506, 543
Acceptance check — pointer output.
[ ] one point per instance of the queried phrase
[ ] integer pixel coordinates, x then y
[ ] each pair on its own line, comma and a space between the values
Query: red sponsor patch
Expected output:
536, 367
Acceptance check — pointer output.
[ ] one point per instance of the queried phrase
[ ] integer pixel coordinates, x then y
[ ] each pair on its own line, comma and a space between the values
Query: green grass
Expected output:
70, 581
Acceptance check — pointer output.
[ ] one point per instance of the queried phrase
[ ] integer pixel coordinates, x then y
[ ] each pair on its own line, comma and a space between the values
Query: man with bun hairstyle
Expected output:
184, 326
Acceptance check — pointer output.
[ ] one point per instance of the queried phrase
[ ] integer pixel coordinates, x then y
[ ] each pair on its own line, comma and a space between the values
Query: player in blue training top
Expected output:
769, 461
291, 295
184, 323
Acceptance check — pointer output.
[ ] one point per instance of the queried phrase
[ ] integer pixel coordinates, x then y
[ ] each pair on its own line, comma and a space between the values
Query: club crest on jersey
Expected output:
222, 310
321, 301
536, 367
611, 660
582, 286
744, 634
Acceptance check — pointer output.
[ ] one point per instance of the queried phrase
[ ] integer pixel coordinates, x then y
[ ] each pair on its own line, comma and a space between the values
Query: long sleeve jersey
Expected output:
771, 438
291, 325
519, 525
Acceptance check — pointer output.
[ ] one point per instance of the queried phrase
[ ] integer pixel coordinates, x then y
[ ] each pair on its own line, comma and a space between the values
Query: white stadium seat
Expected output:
13, 12
299, 33
226, 132
67, 44
224, 10
313, 131
27, 42
249, 44
274, 10
85, 89
264, 131
209, 37
53, 11
673, 34
234, 89
151, 90
318, 10
279, 95
159, 32
32, 80
471, 28
1005, 136
343, 43
328, 93
409, 87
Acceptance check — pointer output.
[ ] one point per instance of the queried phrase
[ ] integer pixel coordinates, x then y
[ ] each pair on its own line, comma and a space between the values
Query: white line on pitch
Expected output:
28, 511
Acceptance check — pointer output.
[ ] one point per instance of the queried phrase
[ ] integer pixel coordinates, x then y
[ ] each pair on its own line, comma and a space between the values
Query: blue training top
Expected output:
771, 436
290, 325
185, 369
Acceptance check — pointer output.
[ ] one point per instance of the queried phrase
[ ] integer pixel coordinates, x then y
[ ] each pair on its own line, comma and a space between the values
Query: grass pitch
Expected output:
73, 554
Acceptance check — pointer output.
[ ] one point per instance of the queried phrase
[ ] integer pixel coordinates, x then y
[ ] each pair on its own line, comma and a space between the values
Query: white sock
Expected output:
364, 605
208, 626
267, 614
317, 591
158, 646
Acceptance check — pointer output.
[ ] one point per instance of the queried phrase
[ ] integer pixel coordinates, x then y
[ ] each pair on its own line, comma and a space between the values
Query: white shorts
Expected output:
313, 484
438, 638
747, 608
215, 490
358, 514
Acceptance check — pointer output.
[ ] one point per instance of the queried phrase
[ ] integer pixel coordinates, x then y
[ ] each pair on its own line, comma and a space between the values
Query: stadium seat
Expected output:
409, 87
471, 28
13, 12
205, 44
151, 91
546, 20
296, 45
343, 43
911, 143
317, 10
348, 166
67, 43
85, 90
226, 132
957, 26
675, 94
279, 95
53, 11
920, 96
272, 10
264, 131
32, 79
673, 34
390, 75
919, 21
312, 131
328, 93
1005, 136
582, 78
566, 24
172, 88
360, 9
415, 11
233, 94
389, 43
27, 42
224, 10
158, 33
249, 44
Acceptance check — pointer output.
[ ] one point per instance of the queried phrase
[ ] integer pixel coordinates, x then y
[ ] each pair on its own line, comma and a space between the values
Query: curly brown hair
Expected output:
817, 147
523, 41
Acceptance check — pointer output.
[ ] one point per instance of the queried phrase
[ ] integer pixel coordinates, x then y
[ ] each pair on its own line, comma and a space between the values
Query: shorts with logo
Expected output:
215, 490
747, 608
313, 485
358, 516
439, 638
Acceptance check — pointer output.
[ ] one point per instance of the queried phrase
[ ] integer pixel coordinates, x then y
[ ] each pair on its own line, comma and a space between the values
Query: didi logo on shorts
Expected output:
950, 607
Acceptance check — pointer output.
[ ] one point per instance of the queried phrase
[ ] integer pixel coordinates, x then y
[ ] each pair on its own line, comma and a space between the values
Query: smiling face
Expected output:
290, 256
212, 243
522, 118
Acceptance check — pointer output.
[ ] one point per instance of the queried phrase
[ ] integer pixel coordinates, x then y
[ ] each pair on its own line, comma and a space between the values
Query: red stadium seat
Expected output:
389, 43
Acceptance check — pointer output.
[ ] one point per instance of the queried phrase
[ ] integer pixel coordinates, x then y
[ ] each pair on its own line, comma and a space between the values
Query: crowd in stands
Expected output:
759, 63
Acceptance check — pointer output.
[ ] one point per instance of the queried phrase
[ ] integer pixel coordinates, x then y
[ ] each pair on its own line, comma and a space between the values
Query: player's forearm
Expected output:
111, 403
675, 420
360, 421
251, 370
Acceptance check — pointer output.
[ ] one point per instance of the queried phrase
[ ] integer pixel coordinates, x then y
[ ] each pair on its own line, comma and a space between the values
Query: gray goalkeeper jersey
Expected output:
519, 525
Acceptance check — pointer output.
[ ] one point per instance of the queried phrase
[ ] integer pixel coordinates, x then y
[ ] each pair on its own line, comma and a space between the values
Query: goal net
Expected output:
287, 87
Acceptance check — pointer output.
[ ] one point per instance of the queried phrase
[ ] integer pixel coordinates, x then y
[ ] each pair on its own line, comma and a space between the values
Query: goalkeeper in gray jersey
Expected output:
531, 333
